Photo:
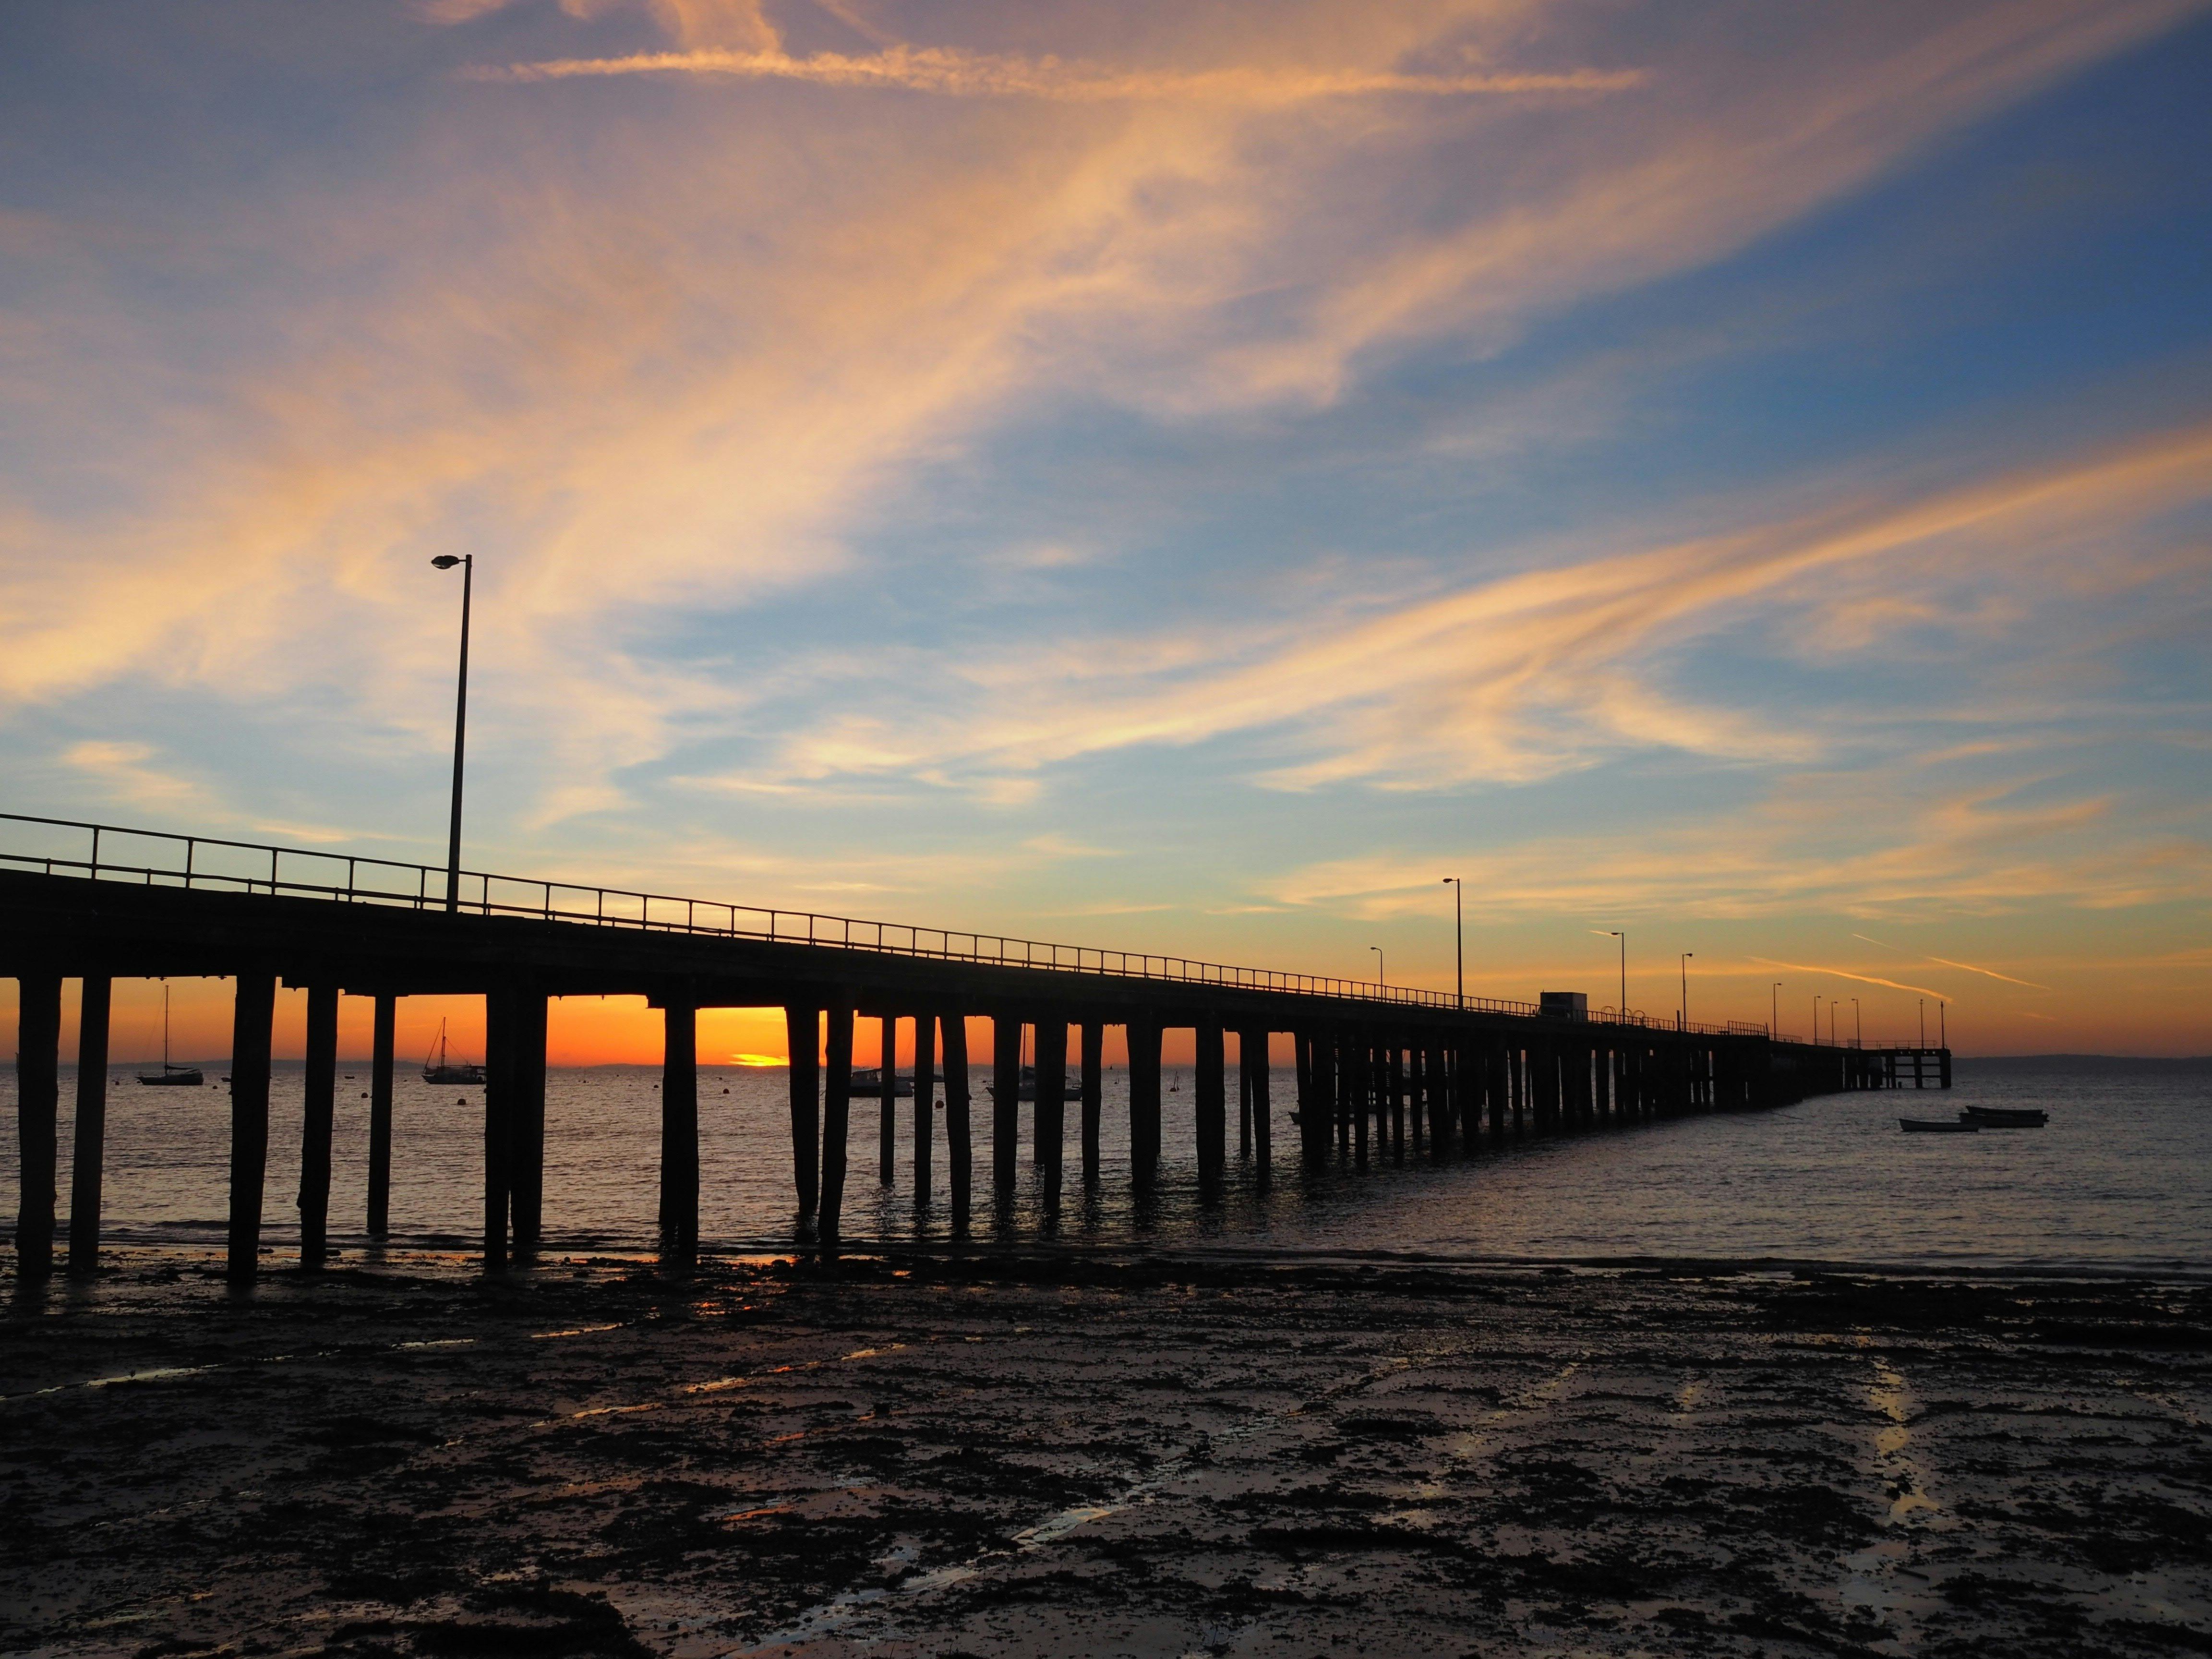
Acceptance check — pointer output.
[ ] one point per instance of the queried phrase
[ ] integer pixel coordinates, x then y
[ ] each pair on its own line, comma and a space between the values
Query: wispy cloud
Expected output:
1964, 967
1855, 978
951, 73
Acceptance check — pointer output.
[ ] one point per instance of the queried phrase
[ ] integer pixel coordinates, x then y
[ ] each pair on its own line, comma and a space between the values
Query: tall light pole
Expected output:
1942, 1027
1621, 934
1924, 1022
468, 564
1459, 935
1773, 1009
1858, 1025
1682, 1019
1816, 1022
1378, 949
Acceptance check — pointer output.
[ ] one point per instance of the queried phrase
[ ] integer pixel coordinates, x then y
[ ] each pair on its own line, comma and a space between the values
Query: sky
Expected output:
1186, 477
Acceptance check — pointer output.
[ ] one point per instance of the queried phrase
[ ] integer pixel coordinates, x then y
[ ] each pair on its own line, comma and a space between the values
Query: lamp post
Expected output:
468, 564
1816, 1022
1858, 1025
1942, 1026
1682, 1019
1924, 1022
1622, 936
1378, 949
1459, 935
1773, 1009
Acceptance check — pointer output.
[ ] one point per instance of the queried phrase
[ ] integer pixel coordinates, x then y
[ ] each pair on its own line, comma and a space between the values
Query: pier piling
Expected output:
379, 1116
803, 1044
318, 1101
38, 1107
1050, 1117
253, 1008
836, 1120
887, 1101
679, 1132
1006, 1096
88, 1156
925, 1102
959, 1144
1094, 1096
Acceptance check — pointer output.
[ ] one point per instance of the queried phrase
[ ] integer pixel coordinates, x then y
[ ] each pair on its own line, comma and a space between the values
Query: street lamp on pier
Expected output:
1378, 949
1621, 934
1858, 1025
468, 564
1773, 1009
1682, 1019
1459, 935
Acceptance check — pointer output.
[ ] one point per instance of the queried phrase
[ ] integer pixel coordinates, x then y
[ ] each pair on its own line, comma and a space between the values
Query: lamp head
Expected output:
444, 562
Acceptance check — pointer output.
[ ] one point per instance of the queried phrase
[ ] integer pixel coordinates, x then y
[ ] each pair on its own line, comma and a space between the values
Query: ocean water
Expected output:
2115, 1183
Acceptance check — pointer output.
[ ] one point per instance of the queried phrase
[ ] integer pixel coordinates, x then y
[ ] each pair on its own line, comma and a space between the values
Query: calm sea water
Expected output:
2117, 1181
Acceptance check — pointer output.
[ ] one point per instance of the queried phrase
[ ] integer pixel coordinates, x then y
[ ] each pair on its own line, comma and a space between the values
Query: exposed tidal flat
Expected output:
1781, 1385
1096, 1452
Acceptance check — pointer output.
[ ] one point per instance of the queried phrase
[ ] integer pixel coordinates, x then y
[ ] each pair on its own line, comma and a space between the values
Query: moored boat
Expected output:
869, 1080
2005, 1117
1938, 1126
170, 1075
436, 1068
1071, 1089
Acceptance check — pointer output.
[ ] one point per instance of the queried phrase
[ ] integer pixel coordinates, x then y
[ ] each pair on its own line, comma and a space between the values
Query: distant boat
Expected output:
436, 1068
869, 1080
171, 1076
2004, 1117
1070, 1089
1938, 1125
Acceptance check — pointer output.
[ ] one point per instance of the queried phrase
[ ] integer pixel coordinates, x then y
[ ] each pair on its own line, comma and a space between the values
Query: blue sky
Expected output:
1185, 477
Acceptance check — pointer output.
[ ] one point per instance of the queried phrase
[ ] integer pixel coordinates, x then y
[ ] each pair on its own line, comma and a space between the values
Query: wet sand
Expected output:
1104, 1455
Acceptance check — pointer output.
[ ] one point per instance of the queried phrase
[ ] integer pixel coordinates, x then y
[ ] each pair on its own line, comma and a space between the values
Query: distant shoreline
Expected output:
2143, 1063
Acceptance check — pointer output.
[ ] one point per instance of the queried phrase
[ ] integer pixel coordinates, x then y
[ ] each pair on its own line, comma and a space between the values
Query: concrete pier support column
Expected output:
1255, 1087
526, 1123
887, 1102
959, 1134
88, 1162
1351, 1080
1243, 1102
318, 1104
1143, 1036
1094, 1096
1397, 1084
802, 1042
38, 1111
679, 1132
1259, 1081
836, 1118
1420, 1130
381, 1042
1050, 1117
1316, 1095
1006, 1096
253, 1008
1362, 1097
1211, 1102
499, 1125
1499, 1088
925, 1102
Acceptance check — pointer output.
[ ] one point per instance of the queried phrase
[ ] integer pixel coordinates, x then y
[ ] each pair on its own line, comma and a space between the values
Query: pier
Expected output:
1382, 1073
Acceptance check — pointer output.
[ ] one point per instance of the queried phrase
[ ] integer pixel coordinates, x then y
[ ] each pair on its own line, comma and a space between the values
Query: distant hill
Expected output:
2106, 1065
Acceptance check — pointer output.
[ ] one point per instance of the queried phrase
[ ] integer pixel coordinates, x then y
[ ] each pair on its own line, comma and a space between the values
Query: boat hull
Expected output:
1921, 1125
1998, 1117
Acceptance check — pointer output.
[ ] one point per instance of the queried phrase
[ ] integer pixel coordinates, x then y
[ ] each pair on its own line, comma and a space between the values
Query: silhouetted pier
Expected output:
1382, 1072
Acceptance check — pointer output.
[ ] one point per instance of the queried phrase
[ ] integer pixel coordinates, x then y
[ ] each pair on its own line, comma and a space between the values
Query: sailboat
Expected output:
170, 1075
436, 1068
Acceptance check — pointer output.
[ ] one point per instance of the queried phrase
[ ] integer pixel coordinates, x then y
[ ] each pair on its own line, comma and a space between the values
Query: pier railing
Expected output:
157, 858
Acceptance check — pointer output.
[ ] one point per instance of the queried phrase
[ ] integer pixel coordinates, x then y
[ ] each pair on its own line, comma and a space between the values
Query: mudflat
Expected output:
1102, 1455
